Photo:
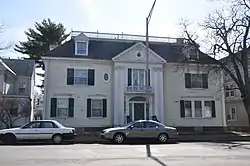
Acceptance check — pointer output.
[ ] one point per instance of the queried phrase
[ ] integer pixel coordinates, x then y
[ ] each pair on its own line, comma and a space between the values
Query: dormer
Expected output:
191, 53
81, 44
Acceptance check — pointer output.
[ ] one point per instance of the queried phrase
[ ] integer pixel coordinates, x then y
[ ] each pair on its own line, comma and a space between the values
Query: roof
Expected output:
104, 49
21, 67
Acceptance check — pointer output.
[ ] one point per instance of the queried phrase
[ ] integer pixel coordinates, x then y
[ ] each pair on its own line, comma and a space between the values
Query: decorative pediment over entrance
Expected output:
137, 53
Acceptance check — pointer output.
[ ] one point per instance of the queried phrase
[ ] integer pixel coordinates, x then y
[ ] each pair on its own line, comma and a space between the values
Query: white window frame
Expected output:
192, 75
62, 107
230, 114
230, 92
75, 70
92, 100
76, 48
203, 108
138, 74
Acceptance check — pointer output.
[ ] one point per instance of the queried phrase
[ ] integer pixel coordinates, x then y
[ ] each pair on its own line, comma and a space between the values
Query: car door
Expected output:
150, 130
135, 130
28, 131
46, 130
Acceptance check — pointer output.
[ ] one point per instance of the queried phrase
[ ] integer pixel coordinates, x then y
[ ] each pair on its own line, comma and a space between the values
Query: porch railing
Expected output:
139, 89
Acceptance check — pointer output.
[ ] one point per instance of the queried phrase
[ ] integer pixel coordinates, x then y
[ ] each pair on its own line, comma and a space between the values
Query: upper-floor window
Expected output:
80, 76
230, 91
137, 77
231, 114
81, 48
193, 53
22, 88
196, 80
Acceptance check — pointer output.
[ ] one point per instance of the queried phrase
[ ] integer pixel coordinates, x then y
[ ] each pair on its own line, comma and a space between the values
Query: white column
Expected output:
155, 88
121, 96
161, 97
116, 96
222, 100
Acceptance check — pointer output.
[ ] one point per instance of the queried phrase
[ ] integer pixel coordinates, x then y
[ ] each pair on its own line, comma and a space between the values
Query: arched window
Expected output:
138, 98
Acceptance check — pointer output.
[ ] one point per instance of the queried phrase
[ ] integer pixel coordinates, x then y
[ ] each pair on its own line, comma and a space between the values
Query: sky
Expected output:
112, 16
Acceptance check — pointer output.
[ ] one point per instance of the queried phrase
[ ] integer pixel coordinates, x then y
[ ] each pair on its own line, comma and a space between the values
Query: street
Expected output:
126, 155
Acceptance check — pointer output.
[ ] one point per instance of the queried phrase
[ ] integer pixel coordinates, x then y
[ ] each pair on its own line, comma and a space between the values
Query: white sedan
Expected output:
38, 130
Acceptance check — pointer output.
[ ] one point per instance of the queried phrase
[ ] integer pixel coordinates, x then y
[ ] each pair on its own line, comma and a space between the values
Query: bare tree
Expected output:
12, 109
2, 45
228, 35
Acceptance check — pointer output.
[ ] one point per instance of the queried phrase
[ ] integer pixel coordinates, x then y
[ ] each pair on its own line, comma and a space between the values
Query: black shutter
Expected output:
148, 77
88, 108
70, 76
205, 81
104, 105
187, 80
71, 107
213, 109
53, 105
91, 77
182, 108
129, 76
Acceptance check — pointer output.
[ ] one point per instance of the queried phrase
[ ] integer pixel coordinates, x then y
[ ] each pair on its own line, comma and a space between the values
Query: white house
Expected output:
97, 81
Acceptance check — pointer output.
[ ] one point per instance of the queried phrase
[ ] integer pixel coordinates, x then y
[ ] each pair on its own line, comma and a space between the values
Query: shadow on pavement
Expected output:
231, 144
36, 144
139, 142
158, 160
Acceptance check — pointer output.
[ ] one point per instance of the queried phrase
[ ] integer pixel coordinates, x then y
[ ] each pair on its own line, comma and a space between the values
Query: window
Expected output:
196, 80
22, 88
208, 108
137, 78
97, 107
188, 109
48, 125
62, 107
231, 115
198, 109
81, 48
150, 125
137, 125
193, 53
81, 76
230, 91
31, 125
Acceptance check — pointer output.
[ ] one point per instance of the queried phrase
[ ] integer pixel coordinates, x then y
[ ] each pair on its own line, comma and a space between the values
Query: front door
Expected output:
139, 111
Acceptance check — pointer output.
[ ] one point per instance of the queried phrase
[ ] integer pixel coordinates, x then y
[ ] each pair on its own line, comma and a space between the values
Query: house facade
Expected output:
17, 82
97, 81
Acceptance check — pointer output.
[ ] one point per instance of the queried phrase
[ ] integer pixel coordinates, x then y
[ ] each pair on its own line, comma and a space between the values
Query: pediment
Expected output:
81, 37
137, 53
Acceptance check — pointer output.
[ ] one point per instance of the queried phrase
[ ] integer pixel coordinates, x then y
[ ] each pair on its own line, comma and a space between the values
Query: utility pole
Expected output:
147, 72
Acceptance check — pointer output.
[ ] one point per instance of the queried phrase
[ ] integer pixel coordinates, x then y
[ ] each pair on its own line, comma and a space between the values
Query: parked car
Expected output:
38, 130
142, 129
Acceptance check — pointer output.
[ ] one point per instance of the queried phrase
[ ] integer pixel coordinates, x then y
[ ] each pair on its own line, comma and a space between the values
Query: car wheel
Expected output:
119, 138
9, 139
57, 139
163, 138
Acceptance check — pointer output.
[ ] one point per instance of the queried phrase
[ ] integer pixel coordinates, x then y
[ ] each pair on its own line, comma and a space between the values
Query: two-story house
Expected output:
17, 82
99, 80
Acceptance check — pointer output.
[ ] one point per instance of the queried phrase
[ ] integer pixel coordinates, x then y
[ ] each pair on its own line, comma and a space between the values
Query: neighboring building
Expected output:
97, 81
17, 82
237, 117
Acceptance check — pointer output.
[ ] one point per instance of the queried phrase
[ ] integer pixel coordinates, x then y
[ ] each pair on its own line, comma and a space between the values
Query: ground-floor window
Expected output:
197, 109
96, 108
231, 114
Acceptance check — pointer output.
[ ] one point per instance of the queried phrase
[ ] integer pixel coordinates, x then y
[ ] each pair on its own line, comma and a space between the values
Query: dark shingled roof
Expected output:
107, 49
21, 67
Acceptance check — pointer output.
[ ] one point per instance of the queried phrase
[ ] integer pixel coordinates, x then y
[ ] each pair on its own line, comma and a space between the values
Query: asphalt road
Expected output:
195, 154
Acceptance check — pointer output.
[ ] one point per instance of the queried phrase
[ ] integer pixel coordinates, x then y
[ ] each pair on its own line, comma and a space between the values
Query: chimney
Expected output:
52, 47
180, 40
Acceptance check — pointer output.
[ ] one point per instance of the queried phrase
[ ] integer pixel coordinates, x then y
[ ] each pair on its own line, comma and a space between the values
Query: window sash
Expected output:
138, 77
81, 47
196, 81
232, 114
81, 76
197, 109
62, 107
97, 108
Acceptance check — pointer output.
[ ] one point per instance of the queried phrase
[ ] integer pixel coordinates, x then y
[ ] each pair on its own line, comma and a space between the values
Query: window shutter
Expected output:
129, 76
70, 76
205, 81
187, 80
71, 107
88, 108
182, 108
213, 109
148, 77
53, 105
91, 77
104, 104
